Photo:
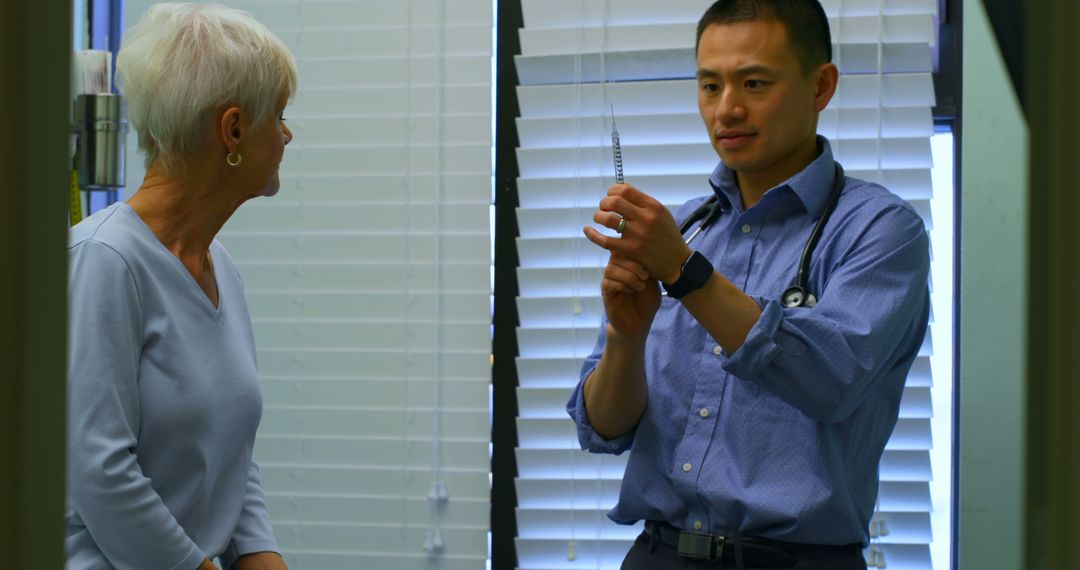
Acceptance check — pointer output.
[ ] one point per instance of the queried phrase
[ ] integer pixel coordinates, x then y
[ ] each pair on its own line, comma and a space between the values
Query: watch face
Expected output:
697, 270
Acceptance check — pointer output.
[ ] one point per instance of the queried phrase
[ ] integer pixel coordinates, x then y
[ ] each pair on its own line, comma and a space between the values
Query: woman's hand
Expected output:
260, 561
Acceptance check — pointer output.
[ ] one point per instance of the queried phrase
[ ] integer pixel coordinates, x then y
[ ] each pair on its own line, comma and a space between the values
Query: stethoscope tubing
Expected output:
708, 211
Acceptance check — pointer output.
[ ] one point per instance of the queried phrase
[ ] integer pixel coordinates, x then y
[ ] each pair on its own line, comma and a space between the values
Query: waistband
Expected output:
742, 550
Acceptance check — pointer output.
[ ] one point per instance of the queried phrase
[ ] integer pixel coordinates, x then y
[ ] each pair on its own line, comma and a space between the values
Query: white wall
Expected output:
992, 296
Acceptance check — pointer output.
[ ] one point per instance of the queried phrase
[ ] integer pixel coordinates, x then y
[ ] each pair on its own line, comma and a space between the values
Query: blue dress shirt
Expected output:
781, 439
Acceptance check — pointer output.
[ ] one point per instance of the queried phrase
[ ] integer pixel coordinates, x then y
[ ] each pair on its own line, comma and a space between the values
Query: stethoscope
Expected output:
796, 295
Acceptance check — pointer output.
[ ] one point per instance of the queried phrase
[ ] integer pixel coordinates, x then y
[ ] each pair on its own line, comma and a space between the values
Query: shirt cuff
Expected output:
237, 549
764, 343
194, 559
587, 436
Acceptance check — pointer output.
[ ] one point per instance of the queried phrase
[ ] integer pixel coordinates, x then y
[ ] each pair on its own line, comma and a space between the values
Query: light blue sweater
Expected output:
163, 404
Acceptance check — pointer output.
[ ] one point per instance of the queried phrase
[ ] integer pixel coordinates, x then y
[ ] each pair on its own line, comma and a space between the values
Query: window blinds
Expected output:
368, 281
578, 58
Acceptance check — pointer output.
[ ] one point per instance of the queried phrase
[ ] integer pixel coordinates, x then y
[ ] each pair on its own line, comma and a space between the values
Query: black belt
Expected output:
742, 551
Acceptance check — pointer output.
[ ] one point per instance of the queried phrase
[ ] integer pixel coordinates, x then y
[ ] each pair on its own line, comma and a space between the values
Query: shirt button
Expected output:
698, 525
746, 228
703, 412
687, 467
717, 350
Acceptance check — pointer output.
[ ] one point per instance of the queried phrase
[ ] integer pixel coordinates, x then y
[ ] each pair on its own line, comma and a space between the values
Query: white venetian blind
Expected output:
578, 58
368, 281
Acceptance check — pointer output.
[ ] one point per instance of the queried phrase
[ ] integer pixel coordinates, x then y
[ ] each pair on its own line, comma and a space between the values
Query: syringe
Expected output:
616, 149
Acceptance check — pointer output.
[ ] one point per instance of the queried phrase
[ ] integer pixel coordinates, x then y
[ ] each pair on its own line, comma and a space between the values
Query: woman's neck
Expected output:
183, 212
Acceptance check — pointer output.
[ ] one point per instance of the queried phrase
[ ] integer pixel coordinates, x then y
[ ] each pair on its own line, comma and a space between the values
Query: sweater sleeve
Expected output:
253, 532
124, 515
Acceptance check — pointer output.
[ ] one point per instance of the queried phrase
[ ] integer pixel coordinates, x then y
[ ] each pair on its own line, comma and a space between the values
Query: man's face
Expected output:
759, 106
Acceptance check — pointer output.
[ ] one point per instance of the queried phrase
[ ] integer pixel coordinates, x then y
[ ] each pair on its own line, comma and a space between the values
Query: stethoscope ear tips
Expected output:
795, 296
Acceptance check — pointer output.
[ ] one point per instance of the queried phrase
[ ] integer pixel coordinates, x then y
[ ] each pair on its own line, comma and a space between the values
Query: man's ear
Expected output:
230, 129
826, 78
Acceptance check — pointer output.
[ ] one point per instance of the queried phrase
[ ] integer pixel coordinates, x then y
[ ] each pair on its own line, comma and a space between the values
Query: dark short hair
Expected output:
805, 20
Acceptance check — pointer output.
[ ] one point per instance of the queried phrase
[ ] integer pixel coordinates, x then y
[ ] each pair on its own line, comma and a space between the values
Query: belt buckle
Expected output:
701, 546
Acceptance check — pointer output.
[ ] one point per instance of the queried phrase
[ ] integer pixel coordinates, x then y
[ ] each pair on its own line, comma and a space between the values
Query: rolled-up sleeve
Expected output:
587, 436
872, 314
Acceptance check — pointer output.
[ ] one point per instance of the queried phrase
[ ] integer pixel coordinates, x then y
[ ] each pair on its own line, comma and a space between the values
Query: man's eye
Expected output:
754, 84
710, 87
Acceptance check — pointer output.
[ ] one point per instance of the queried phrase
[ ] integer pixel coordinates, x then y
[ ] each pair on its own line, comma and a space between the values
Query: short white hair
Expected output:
182, 61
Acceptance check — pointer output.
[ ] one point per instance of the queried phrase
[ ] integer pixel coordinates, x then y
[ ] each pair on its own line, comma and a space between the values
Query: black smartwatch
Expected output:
696, 271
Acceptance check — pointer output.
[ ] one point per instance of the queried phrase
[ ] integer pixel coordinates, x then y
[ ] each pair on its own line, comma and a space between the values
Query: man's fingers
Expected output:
622, 207
632, 196
630, 265
621, 275
607, 219
608, 243
610, 287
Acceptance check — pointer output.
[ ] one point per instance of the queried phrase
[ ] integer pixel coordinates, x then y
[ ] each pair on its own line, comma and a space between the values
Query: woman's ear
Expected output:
826, 79
230, 129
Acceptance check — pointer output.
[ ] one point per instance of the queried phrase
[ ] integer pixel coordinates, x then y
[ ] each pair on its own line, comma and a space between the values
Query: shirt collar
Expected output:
812, 185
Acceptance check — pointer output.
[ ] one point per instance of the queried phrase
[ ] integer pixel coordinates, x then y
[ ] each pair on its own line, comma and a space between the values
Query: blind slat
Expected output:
340, 450
377, 276
548, 554
676, 96
360, 304
391, 482
594, 159
383, 393
682, 128
897, 28
563, 13
360, 539
679, 63
418, 364
536, 193
322, 422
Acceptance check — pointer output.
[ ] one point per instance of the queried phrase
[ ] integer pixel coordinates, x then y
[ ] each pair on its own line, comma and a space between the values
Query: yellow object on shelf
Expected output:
75, 199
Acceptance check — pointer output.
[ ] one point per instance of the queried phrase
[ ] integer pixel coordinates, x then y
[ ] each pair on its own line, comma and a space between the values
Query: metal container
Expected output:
101, 123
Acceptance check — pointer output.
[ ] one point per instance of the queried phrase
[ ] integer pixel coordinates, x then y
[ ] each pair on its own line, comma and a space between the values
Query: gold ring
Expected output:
622, 225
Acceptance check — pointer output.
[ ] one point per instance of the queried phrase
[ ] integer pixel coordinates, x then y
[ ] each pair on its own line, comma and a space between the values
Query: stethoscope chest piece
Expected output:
796, 296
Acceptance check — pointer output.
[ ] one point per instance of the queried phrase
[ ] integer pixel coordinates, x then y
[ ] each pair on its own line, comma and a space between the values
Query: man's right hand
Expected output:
631, 297
207, 565
616, 393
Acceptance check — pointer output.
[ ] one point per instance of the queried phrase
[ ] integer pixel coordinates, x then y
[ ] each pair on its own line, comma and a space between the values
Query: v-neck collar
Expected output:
193, 285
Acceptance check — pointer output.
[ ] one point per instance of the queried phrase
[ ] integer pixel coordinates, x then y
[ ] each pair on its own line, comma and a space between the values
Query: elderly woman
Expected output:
164, 398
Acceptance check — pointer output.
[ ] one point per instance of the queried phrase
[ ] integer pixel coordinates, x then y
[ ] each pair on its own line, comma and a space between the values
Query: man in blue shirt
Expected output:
755, 422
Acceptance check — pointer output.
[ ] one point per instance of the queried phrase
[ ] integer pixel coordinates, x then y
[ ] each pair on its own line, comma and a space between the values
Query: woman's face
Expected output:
264, 149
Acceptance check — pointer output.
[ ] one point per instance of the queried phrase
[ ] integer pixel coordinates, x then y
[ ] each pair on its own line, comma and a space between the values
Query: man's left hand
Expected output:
650, 235
260, 561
